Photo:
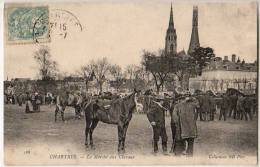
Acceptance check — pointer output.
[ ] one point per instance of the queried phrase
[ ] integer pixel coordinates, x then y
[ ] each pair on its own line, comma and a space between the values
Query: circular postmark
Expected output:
63, 22
40, 26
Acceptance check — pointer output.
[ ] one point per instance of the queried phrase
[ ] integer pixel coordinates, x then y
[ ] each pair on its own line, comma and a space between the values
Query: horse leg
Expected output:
238, 114
242, 112
229, 113
88, 123
235, 113
62, 114
124, 135
92, 127
120, 136
250, 114
200, 114
56, 112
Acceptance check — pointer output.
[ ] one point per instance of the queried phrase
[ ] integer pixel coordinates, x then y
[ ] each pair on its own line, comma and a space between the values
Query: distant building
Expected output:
220, 74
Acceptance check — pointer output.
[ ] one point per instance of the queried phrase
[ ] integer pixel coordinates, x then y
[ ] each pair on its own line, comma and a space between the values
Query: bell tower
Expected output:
171, 37
194, 40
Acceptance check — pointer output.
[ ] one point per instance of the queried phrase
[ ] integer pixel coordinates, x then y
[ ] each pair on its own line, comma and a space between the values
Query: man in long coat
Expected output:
185, 128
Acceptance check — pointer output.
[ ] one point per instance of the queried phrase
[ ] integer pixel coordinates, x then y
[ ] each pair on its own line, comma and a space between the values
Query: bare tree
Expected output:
227, 83
48, 69
244, 81
215, 84
101, 69
116, 72
87, 72
221, 84
132, 72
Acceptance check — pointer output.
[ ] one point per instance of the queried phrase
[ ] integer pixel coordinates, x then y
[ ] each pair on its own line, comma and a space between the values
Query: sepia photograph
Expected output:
111, 82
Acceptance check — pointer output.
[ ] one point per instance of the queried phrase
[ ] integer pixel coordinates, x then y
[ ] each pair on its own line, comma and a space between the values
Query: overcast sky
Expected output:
121, 30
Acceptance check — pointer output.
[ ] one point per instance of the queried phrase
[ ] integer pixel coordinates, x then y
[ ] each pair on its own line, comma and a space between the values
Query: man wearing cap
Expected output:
184, 128
156, 117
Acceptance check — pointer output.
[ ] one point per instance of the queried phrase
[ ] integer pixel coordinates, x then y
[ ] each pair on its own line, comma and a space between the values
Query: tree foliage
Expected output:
158, 65
87, 72
201, 57
47, 67
100, 68
118, 76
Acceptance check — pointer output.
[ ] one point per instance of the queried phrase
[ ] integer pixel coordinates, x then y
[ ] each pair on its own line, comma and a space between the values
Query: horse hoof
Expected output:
93, 147
121, 152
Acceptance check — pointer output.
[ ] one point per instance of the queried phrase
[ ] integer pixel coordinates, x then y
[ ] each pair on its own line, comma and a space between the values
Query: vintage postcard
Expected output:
131, 83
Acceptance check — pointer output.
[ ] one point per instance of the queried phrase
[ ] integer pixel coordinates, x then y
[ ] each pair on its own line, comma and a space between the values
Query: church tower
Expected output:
194, 40
171, 37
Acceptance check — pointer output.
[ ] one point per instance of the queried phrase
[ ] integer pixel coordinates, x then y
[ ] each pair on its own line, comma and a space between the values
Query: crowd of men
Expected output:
184, 108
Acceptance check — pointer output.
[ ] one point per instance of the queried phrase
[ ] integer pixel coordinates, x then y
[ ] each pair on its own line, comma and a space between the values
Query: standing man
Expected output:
184, 128
224, 106
33, 100
212, 108
28, 104
156, 117
37, 102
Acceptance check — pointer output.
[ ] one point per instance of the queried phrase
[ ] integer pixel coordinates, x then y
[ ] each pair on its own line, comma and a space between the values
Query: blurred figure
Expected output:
36, 102
28, 104
224, 106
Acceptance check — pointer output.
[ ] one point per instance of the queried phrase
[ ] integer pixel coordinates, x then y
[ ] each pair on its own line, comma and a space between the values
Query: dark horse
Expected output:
243, 104
119, 113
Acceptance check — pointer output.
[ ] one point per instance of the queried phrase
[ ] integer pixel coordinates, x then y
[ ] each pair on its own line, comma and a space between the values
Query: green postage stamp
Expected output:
27, 24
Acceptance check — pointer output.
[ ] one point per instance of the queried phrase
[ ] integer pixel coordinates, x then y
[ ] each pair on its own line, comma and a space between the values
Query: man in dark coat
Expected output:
224, 106
156, 116
205, 107
212, 108
185, 129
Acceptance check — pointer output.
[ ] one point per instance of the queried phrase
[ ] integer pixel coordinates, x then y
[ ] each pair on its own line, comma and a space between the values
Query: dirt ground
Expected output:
36, 139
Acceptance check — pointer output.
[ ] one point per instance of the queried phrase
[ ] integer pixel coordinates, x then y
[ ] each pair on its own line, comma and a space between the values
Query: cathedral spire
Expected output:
171, 23
194, 41
171, 37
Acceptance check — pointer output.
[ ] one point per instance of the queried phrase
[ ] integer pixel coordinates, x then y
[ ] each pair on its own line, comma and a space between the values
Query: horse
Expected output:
64, 100
243, 105
119, 113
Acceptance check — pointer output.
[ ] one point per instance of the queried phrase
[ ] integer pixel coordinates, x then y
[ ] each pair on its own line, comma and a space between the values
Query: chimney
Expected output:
233, 58
225, 58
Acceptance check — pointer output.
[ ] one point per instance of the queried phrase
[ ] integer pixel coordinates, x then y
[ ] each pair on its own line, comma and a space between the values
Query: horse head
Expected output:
71, 99
131, 100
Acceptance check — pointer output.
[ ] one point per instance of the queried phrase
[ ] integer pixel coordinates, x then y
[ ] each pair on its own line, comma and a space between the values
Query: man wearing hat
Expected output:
156, 117
184, 128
